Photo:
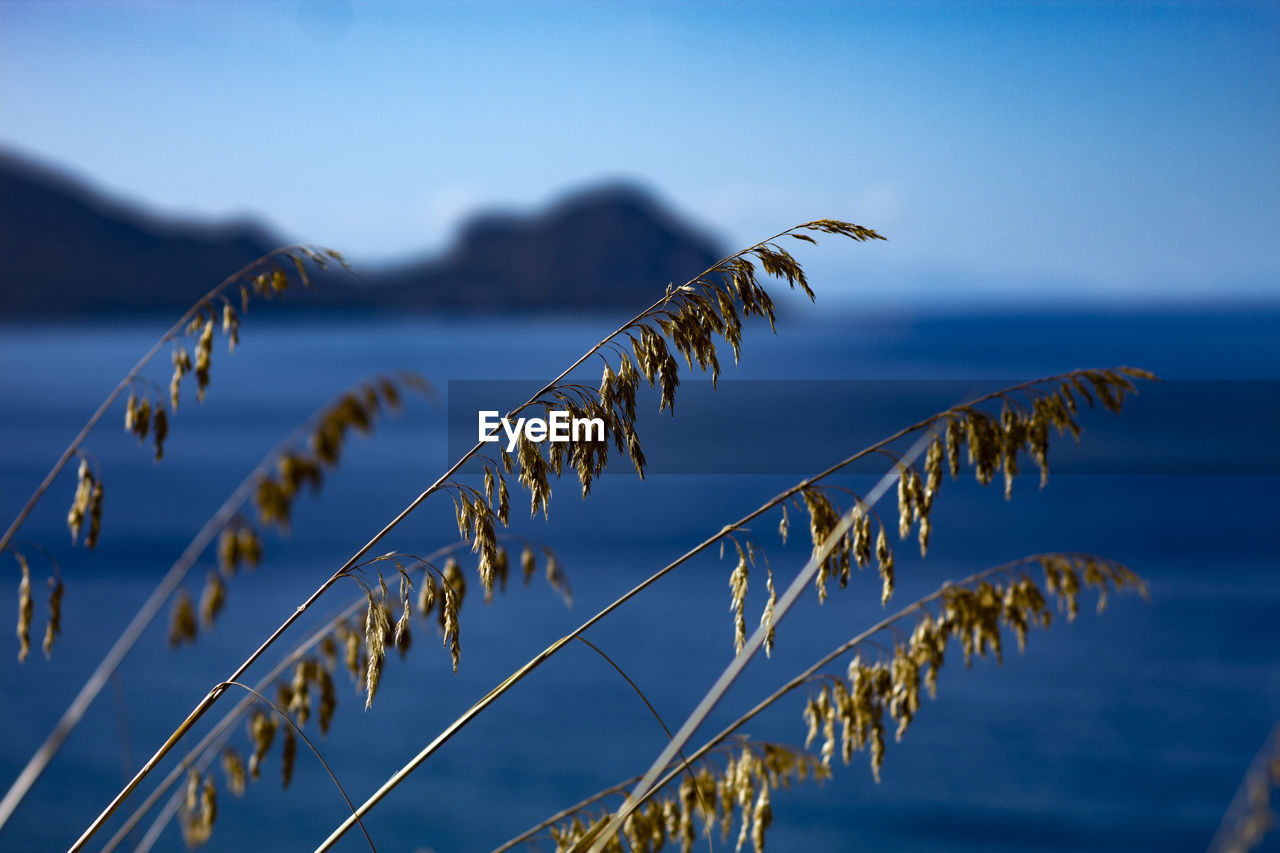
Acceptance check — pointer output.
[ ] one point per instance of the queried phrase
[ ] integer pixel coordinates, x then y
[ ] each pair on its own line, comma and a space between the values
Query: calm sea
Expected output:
1121, 731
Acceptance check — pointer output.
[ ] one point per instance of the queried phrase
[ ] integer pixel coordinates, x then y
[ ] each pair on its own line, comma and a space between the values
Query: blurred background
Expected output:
1061, 185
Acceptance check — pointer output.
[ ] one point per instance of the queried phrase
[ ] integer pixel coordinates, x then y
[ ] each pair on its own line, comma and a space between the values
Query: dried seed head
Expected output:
766, 618
502, 568
26, 609
228, 551
204, 349
761, 818
262, 731
861, 533
161, 431
249, 545
233, 768
449, 625
130, 412
884, 560
906, 503
288, 754
528, 564
300, 693
933, 474
181, 367
427, 593
557, 579
81, 502
403, 637
230, 326
377, 626
182, 621
738, 591
142, 419
328, 699
191, 795
212, 599
95, 516
54, 627
352, 654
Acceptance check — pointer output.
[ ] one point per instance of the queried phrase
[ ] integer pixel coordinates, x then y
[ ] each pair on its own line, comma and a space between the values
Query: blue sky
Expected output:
1011, 149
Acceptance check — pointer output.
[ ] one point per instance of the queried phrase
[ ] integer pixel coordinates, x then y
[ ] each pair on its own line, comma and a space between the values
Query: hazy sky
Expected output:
1024, 148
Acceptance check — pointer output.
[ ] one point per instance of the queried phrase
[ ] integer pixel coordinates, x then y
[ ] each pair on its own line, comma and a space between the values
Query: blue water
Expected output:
1126, 730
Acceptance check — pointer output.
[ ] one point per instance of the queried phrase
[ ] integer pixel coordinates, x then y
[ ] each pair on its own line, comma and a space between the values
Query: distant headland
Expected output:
66, 250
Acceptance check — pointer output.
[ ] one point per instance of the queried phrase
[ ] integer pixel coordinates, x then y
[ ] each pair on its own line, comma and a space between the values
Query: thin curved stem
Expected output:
293, 724
652, 710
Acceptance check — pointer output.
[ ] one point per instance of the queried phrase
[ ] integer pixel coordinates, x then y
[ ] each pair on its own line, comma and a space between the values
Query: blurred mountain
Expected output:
64, 249
67, 250
612, 245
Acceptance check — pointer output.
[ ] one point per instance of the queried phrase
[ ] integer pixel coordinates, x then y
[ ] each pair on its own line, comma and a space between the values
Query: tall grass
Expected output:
858, 691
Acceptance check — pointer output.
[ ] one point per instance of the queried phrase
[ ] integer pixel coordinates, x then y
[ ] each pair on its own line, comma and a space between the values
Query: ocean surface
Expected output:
1126, 730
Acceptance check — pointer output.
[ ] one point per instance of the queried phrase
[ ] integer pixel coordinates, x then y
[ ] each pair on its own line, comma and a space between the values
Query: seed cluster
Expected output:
687, 323
295, 470
145, 413
990, 443
358, 645
147, 416
717, 795
1250, 816
26, 608
975, 616
86, 504
199, 809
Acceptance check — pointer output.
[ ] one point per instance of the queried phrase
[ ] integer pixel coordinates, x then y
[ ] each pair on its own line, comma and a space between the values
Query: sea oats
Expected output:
212, 599
738, 589
26, 609
54, 626
233, 768
528, 564
204, 349
377, 626
230, 326
288, 755
766, 618
684, 323
328, 699
160, 431
884, 561
95, 516
182, 620
80, 503
262, 731
450, 603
